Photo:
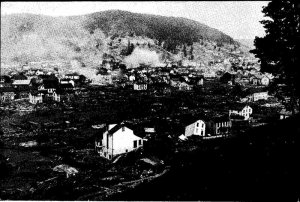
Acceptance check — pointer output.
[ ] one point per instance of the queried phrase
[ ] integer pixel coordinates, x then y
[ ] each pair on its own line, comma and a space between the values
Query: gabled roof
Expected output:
66, 85
285, 112
48, 77
34, 92
21, 82
19, 77
115, 128
188, 119
50, 84
140, 83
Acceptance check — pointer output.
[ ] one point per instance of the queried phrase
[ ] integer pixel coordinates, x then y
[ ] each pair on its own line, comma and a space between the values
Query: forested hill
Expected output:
29, 37
172, 30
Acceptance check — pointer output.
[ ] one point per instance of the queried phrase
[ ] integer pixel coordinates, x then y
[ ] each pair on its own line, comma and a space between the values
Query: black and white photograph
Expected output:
150, 101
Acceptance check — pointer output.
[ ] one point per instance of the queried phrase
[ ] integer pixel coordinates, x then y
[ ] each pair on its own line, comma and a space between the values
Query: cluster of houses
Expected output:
116, 139
140, 78
246, 78
39, 88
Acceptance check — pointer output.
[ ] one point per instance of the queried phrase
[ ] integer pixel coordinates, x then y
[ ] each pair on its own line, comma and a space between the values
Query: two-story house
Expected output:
140, 86
195, 128
117, 139
219, 125
241, 110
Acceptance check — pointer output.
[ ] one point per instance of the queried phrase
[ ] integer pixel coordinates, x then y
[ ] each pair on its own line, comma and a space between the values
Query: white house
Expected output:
242, 111
38, 72
56, 96
285, 114
259, 96
265, 81
117, 139
48, 90
184, 86
139, 86
67, 81
131, 78
35, 98
196, 128
73, 76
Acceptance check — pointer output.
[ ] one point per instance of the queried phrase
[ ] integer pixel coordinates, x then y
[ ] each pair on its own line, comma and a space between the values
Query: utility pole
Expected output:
0, 84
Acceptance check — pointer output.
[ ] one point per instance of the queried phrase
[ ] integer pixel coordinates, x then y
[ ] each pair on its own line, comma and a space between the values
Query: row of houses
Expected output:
249, 79
41, 89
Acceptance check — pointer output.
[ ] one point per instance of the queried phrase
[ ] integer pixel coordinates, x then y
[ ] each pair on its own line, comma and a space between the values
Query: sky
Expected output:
238, 19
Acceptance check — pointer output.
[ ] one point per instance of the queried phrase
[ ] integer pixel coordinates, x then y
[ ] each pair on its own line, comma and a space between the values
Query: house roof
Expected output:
140, 83
285, 112
66, 85
188, 119
219, 118
19, 77
21, 82
50, 84
73, 74
34, 92
237, 106
115, 128
48, 77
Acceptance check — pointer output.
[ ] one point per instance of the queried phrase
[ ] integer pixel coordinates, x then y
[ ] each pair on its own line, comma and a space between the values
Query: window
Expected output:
123, 129
197, 124
126, 150
196, 131
202, 125
134, 143
140, 142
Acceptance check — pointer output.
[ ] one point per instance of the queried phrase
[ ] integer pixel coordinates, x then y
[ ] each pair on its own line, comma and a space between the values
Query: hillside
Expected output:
28, 37
172, 30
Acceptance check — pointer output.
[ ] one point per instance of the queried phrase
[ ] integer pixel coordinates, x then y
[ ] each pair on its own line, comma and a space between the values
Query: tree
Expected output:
278, 50
191, 52
184, 51
130, 48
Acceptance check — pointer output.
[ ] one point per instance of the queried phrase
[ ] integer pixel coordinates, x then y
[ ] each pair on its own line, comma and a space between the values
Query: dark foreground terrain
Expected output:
261, 165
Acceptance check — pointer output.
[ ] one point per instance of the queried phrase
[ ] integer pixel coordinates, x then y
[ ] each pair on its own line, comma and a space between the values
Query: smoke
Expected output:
76, 66
142, 56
